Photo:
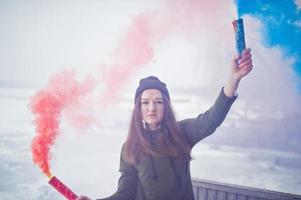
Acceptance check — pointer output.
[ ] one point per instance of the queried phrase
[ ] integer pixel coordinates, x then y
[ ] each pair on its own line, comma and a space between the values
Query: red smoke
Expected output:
47, 106
135, 50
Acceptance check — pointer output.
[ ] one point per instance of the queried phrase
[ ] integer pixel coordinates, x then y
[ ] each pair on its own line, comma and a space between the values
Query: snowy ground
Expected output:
88, 162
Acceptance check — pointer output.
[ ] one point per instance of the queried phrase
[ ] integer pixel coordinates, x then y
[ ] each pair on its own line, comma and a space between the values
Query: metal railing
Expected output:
211, 190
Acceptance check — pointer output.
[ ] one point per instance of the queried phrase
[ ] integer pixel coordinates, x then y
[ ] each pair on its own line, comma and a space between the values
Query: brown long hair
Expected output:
174, 143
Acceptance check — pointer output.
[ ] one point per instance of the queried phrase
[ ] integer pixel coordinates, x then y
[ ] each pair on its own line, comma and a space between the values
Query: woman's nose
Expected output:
152, 106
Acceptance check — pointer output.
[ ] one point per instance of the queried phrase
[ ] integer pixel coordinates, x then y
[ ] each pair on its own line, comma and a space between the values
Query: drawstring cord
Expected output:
155, 174
175, 172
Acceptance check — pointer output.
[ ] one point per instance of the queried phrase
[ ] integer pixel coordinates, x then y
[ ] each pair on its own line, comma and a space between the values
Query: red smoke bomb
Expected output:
62, 188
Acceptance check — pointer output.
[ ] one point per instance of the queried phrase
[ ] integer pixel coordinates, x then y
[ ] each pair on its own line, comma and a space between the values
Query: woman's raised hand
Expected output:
242, 64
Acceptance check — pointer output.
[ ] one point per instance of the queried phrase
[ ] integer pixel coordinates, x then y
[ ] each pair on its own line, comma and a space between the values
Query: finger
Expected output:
247, 50
236, 59
247, 69
245, 58
245, 53
82, 197
245, 64
243, 72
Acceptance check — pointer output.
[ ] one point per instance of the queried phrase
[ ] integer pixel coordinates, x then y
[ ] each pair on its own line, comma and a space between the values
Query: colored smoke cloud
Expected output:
135, 51
281, 24
298, 3
47, 105
183, 19
188, 44
200, 23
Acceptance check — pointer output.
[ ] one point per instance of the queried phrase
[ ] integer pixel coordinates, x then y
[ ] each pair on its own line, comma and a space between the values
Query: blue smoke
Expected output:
282, 24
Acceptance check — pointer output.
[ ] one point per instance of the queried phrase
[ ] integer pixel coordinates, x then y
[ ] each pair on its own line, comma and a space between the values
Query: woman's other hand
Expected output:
83, 198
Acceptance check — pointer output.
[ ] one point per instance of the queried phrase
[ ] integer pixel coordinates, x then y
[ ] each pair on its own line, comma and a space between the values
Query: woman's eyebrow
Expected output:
158, 98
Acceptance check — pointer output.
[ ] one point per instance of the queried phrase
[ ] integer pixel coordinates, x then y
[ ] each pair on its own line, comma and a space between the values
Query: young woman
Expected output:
155, 158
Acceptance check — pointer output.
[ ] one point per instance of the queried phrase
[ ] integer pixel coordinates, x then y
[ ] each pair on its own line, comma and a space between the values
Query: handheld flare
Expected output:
239, 35
62, 188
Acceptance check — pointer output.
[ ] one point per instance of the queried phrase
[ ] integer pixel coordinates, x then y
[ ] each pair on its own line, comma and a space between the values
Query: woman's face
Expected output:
152, 108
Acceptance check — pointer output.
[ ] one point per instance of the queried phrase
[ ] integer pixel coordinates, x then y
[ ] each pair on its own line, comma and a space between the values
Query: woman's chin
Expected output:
154, 126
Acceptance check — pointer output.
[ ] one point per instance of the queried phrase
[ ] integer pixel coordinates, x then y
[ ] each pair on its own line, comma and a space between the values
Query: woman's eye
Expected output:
159, 102
144, 102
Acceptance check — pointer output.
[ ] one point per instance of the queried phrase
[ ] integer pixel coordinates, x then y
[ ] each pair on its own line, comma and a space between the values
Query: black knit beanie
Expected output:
151, 82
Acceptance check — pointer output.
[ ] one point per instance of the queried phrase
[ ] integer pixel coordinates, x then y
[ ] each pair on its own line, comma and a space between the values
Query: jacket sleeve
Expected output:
206, 123
127, 183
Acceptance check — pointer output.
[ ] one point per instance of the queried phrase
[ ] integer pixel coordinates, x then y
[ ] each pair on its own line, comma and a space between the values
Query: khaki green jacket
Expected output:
164, 178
